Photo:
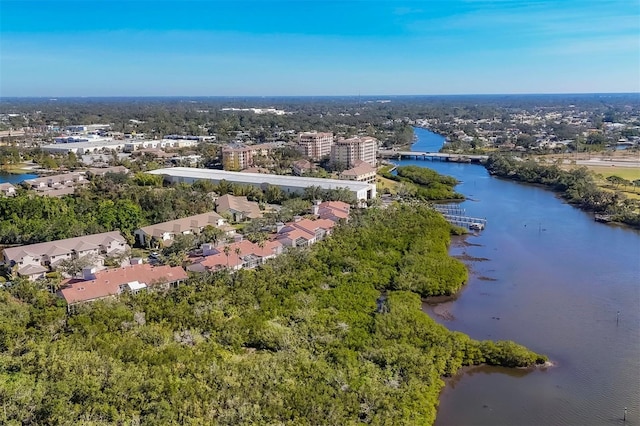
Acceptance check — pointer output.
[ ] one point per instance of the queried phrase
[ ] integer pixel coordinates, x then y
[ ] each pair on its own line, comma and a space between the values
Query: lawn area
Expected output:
628, 173
18, 169
383, 183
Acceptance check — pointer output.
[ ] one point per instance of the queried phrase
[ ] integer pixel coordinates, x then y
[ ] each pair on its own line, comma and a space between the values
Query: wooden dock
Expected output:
466, 221
453, 209
456, 215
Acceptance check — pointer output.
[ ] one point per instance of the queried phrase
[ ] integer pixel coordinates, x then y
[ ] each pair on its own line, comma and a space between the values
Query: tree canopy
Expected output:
330, 335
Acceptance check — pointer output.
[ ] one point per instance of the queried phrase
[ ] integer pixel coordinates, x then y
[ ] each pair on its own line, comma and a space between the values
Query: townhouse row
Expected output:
36, 260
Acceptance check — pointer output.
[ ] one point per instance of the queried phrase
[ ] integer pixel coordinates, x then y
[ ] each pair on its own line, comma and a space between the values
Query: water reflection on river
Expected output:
547, 276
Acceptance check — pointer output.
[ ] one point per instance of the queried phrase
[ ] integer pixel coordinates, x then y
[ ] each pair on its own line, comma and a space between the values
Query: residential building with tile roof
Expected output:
51, 253
332, 210
347, 151
236, 255
302, 167
165, 232
361, 172
315, 145
112, 282
239, 208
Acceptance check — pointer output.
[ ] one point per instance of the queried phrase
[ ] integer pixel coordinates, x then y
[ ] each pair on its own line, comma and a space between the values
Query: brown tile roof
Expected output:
239, 204
32, 270
360, 168
101, 171
63, 246
178, 226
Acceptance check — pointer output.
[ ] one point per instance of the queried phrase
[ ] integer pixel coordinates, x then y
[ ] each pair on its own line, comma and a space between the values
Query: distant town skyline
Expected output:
325, 48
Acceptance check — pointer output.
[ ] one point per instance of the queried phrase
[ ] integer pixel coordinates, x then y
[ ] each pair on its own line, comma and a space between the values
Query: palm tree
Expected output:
238, 252
226, 251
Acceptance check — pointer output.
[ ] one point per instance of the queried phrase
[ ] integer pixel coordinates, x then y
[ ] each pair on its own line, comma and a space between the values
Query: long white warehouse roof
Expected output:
260, 178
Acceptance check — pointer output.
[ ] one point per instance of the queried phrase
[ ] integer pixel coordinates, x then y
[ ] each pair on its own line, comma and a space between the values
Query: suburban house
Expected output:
238, 208
165, 232
304, 232
54, 181
34, 260
361, 172
332, 210
291, 236
237, 255
112, 282
7, 190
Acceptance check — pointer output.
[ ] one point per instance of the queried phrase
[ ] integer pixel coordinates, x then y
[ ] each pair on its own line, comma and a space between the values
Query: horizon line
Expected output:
316, 96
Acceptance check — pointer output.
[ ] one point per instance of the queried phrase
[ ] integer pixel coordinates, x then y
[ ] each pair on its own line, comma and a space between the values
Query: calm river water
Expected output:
548, 276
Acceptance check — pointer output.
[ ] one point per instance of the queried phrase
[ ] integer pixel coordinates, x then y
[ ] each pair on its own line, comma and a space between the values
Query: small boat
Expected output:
476, 226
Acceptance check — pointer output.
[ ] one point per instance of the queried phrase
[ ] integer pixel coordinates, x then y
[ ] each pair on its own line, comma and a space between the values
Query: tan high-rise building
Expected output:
315, 145
346, 151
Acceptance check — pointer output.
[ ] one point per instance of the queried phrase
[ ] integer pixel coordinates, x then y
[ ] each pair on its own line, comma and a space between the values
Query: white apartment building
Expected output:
347, 151
315, 145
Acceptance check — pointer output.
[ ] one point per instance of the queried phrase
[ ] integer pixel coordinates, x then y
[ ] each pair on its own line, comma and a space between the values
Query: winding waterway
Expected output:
546, 275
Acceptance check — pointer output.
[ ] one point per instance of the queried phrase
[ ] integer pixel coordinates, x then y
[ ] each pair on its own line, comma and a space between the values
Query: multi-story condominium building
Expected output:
242, 157
315, 145
346, 151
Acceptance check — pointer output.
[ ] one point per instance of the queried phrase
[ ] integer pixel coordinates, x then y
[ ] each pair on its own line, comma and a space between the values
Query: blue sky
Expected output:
309, 47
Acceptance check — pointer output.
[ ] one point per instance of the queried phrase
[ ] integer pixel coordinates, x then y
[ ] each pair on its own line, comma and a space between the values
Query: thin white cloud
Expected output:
542, 18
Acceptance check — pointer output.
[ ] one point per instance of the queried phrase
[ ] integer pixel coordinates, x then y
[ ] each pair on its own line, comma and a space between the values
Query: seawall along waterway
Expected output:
546, 275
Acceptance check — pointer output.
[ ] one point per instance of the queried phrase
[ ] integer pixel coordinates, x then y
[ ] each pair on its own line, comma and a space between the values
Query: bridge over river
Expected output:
422, 155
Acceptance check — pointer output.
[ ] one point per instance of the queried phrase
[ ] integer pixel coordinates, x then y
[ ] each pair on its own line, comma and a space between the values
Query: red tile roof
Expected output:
107, 283
234, 260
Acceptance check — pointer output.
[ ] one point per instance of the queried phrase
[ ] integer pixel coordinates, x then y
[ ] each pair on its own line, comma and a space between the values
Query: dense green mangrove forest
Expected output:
577, 186
423, 184
333, 334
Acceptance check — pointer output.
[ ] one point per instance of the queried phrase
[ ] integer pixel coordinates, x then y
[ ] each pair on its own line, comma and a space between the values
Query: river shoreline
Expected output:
557, 280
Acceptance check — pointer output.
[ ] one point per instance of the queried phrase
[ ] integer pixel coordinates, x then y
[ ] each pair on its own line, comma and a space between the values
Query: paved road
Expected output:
613, 163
